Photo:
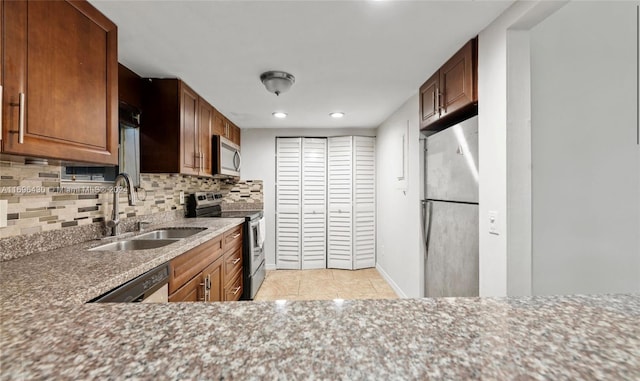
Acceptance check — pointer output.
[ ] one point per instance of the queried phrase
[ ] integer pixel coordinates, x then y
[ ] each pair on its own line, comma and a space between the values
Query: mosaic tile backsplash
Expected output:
40, 202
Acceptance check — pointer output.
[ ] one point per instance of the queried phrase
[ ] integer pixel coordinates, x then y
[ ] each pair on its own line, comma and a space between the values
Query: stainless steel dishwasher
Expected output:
150, 287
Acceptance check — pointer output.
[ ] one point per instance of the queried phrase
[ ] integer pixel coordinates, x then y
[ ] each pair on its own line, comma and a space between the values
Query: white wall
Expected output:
259, 163
399, 246
492, 126
586, 162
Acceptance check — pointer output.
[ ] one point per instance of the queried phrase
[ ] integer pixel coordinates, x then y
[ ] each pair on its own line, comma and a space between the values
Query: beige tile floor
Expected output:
324, 284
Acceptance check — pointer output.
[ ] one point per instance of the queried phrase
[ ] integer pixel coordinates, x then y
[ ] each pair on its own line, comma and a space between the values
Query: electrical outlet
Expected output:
181, 198
493, 222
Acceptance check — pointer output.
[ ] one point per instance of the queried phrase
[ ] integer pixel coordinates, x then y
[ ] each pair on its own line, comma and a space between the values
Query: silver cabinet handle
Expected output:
236, 261
21, 110
204, 290
435, 100
236, 236
21, 119
236, 290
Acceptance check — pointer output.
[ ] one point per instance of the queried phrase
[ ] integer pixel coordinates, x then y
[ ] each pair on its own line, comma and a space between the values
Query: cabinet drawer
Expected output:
192, 291
233, 291
232, 264
233, 238
187, 265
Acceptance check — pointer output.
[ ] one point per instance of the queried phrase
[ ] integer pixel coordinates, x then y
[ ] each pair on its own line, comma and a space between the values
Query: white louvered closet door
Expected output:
288, 202
340, 191
364, 202
314, 203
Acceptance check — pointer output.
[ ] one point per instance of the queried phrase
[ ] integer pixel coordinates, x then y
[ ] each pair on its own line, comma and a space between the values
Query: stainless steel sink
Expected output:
170, 233
135, 244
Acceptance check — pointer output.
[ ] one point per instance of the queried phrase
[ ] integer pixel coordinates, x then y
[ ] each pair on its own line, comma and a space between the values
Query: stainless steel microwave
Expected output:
226, 157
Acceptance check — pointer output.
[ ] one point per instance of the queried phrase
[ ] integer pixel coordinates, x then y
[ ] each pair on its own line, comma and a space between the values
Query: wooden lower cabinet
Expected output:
205, 274
232, 263
194, 261
189, 292
215, 281
233, 290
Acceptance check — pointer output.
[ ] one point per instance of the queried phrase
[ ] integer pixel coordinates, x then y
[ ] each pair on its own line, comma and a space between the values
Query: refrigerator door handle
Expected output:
426, 226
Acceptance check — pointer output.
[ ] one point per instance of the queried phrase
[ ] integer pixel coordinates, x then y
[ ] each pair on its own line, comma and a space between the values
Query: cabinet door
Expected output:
60, 74
187, 265
189, 131
429, 108
457, 80
205, 128
192, 291
218, 123
236, 134
215, 280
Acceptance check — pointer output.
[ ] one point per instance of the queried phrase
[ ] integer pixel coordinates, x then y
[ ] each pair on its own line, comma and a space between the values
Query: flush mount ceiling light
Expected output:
336, 115
280, 115
277, 81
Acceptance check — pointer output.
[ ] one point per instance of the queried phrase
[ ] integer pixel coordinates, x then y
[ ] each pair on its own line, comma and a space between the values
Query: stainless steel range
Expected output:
208, 204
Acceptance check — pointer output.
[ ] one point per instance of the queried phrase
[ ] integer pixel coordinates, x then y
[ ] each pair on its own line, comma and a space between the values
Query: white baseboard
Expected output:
391, 282
270, 266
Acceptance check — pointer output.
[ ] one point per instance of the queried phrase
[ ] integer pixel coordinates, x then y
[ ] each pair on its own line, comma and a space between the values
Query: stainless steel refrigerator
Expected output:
450, 211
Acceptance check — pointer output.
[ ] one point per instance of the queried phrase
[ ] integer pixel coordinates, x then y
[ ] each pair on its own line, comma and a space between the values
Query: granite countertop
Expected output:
48, 332
558, 338
75, 275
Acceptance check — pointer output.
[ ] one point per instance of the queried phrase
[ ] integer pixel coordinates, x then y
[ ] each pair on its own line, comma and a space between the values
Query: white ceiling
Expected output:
361, 57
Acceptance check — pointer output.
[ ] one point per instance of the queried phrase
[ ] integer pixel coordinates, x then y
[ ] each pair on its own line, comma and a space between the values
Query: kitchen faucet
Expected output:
115, 216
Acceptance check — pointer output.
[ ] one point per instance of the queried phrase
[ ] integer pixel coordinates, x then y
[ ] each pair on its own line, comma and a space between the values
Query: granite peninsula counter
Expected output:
559, 338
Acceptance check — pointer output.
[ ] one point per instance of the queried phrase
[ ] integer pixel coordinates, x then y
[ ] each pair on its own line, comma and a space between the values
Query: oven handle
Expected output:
252, 225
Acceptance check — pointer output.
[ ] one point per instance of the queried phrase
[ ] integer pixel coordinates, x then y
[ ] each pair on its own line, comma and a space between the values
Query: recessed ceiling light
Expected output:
280, 115
336, 115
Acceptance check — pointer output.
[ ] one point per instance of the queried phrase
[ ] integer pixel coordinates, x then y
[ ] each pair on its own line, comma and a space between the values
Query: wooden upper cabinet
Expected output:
458, 80
129, 87
225, 128
176, 129
451, 94
60, 81
205, 128
429, 110
235, 134
219, 123
190, 147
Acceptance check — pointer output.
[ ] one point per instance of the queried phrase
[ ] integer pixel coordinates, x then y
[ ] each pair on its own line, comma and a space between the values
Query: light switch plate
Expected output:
493, 222
181, 198
4, 205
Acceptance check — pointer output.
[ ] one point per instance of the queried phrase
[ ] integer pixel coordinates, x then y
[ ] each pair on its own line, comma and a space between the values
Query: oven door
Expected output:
256, 246
226, 157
